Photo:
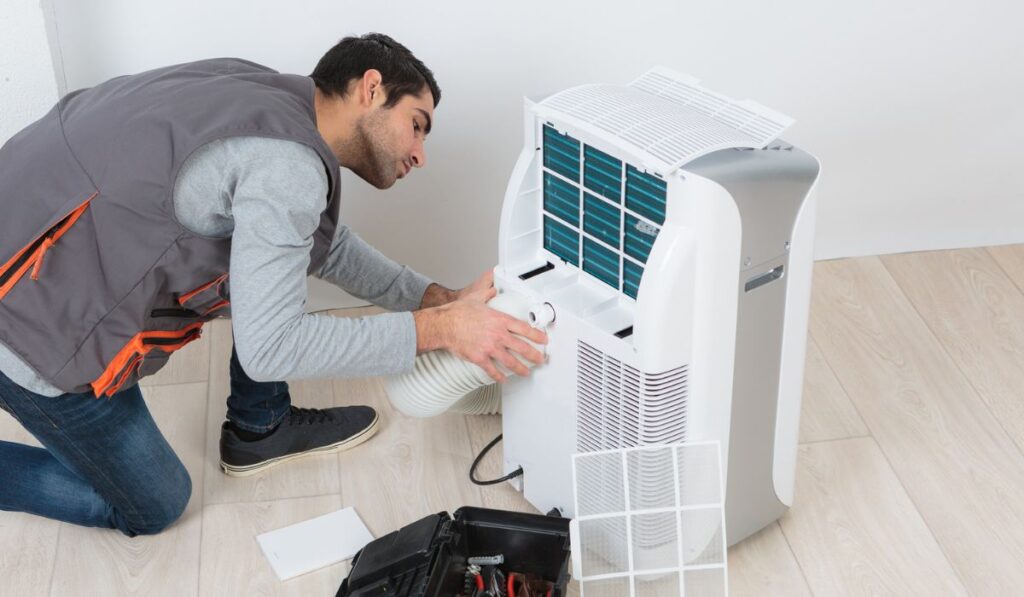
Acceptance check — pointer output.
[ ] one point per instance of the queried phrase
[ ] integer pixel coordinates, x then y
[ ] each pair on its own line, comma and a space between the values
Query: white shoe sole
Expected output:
351, 442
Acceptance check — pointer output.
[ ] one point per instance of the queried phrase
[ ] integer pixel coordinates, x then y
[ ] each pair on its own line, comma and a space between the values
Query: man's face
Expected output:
391, 139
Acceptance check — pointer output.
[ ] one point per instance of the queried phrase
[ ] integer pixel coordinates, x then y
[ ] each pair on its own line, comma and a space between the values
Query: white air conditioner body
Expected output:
680, 286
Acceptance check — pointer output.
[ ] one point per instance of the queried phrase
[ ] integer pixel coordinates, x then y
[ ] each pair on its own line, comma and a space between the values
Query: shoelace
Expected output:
308, 416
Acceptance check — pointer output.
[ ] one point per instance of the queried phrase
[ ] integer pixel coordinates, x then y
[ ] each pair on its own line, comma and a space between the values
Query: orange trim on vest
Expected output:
49, 238
188, 295
43, 248
132, 365
132, 354
219, 305
19, 272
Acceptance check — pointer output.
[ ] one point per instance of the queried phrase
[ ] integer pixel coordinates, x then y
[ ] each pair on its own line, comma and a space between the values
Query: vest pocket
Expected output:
203, 301
31, 257
176, 313
130, 360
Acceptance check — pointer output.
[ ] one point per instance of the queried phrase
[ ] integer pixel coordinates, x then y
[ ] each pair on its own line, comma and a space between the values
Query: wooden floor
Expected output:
910, 476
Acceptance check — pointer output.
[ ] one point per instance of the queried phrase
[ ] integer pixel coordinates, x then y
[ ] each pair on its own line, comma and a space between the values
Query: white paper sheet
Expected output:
314, 543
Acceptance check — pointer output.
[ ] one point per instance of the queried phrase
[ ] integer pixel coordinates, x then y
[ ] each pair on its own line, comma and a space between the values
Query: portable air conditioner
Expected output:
671, 234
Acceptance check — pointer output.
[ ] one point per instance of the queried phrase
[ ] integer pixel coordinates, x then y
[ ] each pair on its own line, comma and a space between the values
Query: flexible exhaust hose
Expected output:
440, 381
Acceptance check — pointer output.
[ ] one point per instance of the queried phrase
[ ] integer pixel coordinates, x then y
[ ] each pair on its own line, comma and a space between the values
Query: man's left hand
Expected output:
481, 290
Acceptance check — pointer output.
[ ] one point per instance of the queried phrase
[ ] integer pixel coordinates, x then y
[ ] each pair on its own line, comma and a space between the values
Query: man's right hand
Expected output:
479, 334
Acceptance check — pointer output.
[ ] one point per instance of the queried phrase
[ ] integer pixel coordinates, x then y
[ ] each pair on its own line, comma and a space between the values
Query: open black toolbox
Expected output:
428, 557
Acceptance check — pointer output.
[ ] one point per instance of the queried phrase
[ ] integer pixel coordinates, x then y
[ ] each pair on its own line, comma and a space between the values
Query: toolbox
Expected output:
452, 556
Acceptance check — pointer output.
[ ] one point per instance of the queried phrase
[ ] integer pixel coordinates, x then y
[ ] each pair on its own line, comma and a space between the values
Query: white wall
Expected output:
913, 107
28, 85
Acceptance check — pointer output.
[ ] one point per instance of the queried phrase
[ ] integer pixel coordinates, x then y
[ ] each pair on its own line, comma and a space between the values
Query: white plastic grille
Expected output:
669, 117
750, 118
621, 407
650, 521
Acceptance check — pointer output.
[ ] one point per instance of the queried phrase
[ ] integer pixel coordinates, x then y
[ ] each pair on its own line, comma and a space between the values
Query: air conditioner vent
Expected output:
620, 407
666, 118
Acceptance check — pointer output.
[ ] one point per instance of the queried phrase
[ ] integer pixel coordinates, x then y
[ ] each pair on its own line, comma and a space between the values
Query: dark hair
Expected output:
402, 73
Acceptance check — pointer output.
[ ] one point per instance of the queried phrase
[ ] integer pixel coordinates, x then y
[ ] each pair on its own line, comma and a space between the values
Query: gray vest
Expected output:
99, 283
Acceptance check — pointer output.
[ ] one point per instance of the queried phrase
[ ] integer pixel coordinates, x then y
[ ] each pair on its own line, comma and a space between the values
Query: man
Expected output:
130, 208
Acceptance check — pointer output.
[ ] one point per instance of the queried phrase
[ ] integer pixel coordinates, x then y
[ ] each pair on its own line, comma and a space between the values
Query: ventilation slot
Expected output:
619, 407
664, 407
590, 399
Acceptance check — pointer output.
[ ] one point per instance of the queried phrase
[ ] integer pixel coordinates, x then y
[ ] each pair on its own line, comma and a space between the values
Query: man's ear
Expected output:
371, 88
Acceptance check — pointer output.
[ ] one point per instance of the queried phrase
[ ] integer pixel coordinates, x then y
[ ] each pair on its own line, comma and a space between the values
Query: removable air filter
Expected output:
650, 522
605, 223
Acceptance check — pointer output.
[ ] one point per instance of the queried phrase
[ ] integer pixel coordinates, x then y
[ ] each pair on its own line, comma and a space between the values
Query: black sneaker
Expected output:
304, 431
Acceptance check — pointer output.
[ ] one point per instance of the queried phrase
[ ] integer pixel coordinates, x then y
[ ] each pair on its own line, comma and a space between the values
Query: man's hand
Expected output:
480, 290
479, 334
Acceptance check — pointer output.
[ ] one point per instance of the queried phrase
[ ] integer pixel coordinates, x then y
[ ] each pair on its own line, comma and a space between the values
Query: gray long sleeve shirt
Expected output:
268, 195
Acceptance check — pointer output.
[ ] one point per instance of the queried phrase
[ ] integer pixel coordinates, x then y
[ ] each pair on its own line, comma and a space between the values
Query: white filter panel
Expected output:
666, 118
761, 124
650, 521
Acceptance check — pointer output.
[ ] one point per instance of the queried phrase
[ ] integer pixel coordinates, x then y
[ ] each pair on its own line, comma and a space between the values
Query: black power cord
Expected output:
476, 463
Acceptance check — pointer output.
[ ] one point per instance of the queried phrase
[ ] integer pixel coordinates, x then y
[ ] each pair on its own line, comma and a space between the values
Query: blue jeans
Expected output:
104, 462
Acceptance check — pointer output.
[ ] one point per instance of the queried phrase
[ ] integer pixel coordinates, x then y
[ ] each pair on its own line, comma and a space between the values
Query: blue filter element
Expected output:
602, 174
601, 220
639, 238
631, 274
646, 195
562, 241
561, 199
561, 154
601, 263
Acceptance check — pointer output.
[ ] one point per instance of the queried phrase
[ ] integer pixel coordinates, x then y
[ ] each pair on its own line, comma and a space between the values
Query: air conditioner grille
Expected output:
667, 118
621, 407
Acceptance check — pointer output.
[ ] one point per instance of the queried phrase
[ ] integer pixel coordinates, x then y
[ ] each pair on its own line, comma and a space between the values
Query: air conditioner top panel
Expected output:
665, 118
